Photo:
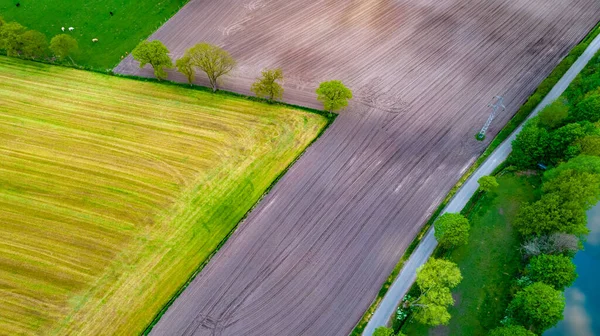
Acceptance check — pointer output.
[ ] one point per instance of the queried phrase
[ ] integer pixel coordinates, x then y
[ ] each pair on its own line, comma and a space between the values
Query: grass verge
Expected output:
521, 115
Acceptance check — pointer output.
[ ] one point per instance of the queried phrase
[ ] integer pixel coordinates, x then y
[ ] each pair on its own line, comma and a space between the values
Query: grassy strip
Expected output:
168, 304
538, 95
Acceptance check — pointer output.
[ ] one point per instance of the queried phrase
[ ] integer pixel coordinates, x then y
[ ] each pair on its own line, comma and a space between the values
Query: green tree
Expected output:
267, 86
588, 109
530, 145
33, 44
487, 183
63, 46
554, 114
185, 66
211, 59
537, 307
590, 145
562, 141
334, 95
572, 186
10, 38
581, 163
383, 331
435, 279
551, 214
154, 53
557, 271
513, 330
451, 229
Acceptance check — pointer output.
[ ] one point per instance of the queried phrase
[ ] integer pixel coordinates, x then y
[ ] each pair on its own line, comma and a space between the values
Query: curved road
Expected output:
313, 254
407, 276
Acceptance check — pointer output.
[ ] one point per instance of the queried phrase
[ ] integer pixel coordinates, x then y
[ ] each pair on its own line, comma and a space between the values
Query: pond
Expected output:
582, 312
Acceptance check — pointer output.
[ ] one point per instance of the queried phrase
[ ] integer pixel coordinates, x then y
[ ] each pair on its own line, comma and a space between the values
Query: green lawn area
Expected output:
132, 22
488, 262
114, 191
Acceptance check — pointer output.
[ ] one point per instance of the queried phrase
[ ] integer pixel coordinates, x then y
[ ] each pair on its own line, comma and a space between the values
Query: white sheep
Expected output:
71, 28
63, 28
94, 40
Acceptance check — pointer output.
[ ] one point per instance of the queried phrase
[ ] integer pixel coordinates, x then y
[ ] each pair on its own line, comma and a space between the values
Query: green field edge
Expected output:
520, 116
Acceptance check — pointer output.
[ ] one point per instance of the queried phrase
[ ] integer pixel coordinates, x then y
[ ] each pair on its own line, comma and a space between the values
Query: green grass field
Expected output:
113, 191
132, 22
489, 261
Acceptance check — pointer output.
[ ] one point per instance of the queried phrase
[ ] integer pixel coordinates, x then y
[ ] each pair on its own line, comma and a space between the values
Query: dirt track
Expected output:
311, 257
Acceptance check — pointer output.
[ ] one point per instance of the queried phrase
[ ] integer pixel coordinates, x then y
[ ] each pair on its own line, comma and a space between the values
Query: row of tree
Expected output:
216, 62
18, 41
566, 136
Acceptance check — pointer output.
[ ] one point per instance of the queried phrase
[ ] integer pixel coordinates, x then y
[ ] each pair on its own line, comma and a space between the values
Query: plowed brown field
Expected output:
311, 257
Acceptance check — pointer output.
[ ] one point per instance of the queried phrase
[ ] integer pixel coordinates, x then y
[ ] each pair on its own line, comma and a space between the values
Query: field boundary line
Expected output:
506, 135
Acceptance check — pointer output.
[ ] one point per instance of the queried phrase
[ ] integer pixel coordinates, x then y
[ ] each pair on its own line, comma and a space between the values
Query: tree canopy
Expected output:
551, 214
513, 330
154, 53
537, 307
487, 183
10, 37
452, 229
529, 147
554, 114
211, 59
63, 46
334, 95
383, 331
590, 145
267, 86
185, 66
435, 279
33, 44
581, 163
557, 271
588, 109
573, 186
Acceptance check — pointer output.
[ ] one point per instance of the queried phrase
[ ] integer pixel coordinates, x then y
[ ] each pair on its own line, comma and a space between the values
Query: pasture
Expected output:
131, 22
113, 191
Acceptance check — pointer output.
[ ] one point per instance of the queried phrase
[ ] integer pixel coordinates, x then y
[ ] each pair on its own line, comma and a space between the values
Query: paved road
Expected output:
407, 276
311, 256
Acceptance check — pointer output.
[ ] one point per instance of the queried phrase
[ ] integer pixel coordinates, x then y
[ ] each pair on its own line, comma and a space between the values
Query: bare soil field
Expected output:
314, 253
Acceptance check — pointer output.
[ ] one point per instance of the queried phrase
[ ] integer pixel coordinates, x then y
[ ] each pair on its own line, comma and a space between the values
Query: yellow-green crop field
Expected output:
113, 191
